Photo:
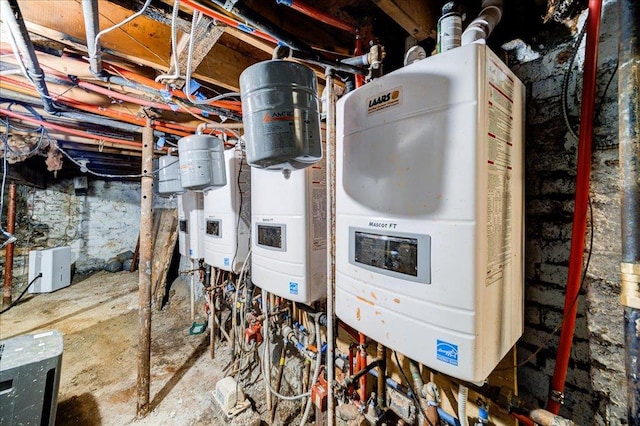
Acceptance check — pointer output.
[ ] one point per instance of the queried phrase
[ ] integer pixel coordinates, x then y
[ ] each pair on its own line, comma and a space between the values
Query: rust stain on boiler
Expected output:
396, 300
358, 314
374, 296
368, 302
378, 313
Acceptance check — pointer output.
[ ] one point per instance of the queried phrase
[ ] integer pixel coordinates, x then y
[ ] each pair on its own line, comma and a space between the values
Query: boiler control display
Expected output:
213, 227
272, 236
399, 255
387, 252
183, 225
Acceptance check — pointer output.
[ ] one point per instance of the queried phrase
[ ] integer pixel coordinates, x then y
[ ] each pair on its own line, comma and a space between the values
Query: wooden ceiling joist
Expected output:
418, 18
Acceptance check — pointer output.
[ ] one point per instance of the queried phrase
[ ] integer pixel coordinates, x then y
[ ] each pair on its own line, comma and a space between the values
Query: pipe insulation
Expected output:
629, 155
26, 53
91, 25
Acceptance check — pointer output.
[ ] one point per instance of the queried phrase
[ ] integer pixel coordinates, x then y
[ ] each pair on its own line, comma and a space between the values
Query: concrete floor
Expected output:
98, 319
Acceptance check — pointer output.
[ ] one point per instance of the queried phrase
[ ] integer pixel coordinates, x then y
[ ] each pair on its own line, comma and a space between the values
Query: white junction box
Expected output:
289, 236
191, 224
55, 266
227, 215
429, 256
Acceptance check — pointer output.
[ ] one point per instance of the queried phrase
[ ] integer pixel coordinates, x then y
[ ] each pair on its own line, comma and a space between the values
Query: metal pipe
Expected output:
331, 239
317, 14
91, 26
254, 19
68, 130
144, 273
12, 16
381, 353
418, 385
363, 363
629, 155
279, 380
11, 229
228, 21
580, 209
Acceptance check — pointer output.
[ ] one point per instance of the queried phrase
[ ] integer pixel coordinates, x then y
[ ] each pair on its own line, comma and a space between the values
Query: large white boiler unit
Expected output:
429, 256
227, 215
289, 236
191, 225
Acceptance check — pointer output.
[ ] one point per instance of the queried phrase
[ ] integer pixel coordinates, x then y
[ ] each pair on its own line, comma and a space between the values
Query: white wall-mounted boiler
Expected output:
429, 225
289, 235
191, 224
227, 216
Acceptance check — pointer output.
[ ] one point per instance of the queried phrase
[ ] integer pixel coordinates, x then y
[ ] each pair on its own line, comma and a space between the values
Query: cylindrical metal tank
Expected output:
201, 162
280, 111
167, 178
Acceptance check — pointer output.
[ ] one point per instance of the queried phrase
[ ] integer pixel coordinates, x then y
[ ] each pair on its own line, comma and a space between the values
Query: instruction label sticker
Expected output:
293, 288
384, 100
447, 352
226, 261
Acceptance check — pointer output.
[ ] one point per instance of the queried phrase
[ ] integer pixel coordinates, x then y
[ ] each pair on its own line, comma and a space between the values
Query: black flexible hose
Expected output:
15, 302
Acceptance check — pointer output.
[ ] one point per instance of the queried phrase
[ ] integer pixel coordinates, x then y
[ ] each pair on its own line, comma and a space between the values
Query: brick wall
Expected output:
594, 393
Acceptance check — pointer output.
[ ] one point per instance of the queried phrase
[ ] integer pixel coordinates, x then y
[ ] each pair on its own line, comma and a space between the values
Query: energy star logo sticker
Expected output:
447, 352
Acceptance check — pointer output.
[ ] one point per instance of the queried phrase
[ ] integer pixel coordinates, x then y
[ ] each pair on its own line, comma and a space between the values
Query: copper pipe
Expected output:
144, 274
11, 229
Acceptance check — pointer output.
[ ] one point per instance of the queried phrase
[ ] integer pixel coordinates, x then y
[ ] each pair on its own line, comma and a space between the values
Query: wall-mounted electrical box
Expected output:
289, 232
167, 177
429, 257
191, 224
30, 378
281, 115
201, 162
227, 216
55, 266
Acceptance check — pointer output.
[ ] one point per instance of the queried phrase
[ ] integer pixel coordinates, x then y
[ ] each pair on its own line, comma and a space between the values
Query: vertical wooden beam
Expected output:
11, 228
144, 273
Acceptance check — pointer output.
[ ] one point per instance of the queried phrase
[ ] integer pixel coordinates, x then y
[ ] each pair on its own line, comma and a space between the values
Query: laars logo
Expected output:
384, 100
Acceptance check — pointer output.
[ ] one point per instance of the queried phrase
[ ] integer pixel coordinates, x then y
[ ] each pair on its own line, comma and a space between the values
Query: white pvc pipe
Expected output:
463, 393
480, 28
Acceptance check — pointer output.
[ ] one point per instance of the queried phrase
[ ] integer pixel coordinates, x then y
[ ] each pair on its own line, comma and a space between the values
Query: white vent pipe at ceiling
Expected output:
480, 28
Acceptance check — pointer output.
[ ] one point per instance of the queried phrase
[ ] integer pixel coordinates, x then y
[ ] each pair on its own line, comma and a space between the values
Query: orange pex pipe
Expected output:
580, 210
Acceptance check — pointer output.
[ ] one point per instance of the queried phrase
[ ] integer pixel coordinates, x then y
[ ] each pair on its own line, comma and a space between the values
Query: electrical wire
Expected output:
573, 302
174, 44
565, 81
196, 16
15, 302
413, 393
107, 30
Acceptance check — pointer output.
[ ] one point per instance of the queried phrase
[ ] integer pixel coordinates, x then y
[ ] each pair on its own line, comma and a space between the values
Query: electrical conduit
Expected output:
629, 155
580, 210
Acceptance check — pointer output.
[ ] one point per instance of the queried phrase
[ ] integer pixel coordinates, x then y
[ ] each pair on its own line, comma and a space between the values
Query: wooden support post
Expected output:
11, 228
144, 273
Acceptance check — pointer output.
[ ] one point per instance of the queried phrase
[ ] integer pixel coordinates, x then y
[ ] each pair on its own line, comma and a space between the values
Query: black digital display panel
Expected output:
270, 236
183, 226
392, 253
213, 228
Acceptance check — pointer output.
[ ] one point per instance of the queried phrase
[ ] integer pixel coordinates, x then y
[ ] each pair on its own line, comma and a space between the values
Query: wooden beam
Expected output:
418, 18
206, 35
142, 41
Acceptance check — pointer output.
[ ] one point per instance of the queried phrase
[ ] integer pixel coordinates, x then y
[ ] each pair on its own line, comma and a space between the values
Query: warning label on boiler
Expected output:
500, 94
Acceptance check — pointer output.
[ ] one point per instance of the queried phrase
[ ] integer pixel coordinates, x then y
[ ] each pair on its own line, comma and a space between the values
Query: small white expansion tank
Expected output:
429, 222
227, 215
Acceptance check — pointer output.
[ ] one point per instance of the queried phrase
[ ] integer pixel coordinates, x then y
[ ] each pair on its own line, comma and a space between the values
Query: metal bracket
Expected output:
229, 5
557, 396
